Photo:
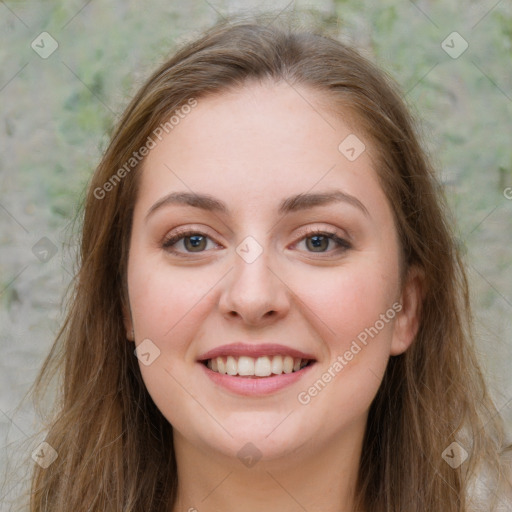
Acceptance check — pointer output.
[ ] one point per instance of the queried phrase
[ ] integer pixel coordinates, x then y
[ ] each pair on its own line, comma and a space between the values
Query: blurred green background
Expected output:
56, 114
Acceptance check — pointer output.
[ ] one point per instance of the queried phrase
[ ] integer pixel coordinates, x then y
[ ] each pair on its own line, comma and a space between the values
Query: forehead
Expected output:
260, 141
270, 120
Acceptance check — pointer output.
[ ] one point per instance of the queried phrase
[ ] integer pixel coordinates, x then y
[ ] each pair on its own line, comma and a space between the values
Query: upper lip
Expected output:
253, 350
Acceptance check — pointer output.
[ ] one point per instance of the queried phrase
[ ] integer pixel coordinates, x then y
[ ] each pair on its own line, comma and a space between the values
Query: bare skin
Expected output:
252, 149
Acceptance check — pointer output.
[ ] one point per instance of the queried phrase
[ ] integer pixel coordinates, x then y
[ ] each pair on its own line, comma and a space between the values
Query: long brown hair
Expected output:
115, 447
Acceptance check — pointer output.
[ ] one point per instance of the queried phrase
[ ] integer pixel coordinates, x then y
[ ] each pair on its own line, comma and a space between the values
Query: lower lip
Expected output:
258, 386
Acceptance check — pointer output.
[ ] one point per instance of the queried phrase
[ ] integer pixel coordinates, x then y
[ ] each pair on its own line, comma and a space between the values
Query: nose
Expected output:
254, 293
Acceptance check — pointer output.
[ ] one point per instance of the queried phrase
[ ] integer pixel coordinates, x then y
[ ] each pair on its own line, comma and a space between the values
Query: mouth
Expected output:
256, 367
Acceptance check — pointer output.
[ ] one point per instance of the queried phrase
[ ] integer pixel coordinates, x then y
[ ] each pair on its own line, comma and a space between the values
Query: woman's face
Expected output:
262, 242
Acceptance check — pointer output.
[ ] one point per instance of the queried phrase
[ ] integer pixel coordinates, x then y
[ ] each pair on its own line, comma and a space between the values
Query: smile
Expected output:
263, 366
255, 369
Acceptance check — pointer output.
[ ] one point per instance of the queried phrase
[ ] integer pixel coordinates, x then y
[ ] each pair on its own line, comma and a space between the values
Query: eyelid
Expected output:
341, 239
335, 234
182, 232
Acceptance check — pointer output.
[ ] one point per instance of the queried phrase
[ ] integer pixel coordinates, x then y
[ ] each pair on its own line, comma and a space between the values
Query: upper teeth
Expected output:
256, 366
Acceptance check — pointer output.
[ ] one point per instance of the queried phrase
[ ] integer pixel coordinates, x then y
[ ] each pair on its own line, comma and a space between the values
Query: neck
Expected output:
311, 478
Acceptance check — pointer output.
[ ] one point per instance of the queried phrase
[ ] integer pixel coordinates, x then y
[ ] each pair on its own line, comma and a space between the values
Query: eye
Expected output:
316, 240
320, 241
187, 242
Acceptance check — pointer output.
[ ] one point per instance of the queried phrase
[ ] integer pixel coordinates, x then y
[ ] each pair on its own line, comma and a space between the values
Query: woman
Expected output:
270, 312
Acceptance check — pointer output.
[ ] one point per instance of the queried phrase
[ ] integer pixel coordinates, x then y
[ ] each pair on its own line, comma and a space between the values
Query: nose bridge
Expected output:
253, 290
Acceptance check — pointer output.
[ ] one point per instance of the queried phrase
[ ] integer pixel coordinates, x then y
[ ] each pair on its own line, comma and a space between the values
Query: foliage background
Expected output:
56, 114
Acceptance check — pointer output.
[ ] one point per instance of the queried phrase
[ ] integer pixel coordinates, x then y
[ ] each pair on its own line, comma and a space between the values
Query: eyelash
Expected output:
168, 242
343, 244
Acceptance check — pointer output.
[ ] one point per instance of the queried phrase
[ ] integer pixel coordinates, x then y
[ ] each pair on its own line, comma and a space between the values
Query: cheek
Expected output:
168, 307
349, 300
164, 299
356, 309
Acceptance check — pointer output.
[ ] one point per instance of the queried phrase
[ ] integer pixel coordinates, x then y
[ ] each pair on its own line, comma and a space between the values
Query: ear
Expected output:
408, 319
128, 323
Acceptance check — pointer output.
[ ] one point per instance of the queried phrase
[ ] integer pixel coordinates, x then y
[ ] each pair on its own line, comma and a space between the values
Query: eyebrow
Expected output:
291, 204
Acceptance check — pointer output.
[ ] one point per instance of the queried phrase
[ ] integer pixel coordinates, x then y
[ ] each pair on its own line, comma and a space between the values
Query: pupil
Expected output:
319, 242
195, 242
